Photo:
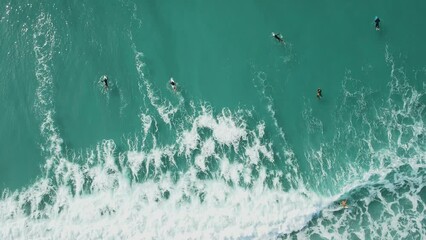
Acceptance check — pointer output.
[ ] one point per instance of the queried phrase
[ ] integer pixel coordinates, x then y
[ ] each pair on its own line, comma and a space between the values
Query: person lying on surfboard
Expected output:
172, 82
319, 93
105, 81
377, 21
344, 203
278, 37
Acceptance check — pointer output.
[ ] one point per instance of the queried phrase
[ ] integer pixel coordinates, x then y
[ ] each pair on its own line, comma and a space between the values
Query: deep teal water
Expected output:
242, 150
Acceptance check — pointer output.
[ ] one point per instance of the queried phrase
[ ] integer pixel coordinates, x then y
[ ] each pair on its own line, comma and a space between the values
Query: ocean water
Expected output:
243, 149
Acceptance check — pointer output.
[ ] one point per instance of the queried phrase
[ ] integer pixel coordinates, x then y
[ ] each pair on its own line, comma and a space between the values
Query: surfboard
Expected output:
337, 208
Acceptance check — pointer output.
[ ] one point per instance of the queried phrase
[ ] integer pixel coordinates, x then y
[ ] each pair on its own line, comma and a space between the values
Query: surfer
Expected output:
344, 203
278, 37
173, 84
319, 93
377, 21
105, 81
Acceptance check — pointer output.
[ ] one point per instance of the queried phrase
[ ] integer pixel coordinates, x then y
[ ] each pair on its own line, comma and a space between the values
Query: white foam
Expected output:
393, 208
152, 160
44, 44
96, 200
140, 212
164, 107
189, 140
387, 195
207, 150
135, 160
226, 129
253, 151
232, 172
227, 132
259, 81
146, 122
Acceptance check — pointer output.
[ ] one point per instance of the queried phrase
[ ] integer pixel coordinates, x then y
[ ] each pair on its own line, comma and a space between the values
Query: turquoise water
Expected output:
242, 149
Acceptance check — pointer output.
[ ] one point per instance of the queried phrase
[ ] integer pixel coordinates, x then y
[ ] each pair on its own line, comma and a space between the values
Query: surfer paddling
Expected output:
377, 23
105, 81
278, 37
319, 93
173, 84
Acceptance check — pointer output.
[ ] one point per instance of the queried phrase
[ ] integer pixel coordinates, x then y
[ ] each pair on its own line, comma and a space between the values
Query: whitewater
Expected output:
242, 149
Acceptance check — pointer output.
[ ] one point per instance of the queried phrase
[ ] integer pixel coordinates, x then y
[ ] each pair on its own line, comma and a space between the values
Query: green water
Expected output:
222, 55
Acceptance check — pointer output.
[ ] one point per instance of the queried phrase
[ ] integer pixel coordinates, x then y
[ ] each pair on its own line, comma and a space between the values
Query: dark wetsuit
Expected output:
105, 81
173, 85
377, 21
277, 36
319, 93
